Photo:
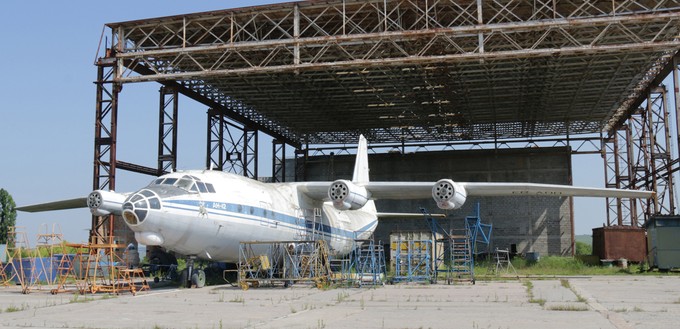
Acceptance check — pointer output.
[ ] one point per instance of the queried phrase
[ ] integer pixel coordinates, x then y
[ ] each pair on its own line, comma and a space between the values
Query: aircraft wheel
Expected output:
198, 279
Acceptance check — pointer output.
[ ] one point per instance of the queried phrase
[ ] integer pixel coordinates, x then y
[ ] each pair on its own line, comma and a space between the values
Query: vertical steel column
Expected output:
301, 157
278, 161
104, 174
676, 93
639, 150
167, 130
228, 151
215, 152
660, 155
250, 158
618, 170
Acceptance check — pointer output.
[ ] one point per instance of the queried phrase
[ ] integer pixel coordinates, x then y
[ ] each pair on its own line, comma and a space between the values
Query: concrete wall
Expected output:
539, 224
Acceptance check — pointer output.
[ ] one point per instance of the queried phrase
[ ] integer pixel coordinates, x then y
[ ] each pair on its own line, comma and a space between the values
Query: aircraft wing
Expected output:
56, 205
423, 190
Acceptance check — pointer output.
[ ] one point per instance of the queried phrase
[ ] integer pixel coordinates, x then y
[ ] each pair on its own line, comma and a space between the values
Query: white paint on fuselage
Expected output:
211, 225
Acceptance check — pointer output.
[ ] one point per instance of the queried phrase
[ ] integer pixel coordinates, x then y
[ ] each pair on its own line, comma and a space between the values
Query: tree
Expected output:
8, 214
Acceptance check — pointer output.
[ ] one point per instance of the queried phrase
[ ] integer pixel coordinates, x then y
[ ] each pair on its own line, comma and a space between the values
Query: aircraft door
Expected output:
267, 215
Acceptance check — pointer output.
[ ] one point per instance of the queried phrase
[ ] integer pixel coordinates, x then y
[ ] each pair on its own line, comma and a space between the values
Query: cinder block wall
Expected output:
538, 224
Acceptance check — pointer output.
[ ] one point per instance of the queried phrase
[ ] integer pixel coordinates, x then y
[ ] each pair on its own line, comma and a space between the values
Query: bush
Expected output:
583, 248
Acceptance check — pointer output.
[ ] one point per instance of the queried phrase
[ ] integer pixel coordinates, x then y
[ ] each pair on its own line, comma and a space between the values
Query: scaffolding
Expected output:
17, 266
98, 268
412, 257
459, 247
283, 263
367, 262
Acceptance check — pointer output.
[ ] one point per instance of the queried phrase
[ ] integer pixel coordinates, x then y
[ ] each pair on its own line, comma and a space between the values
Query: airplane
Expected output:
206, 214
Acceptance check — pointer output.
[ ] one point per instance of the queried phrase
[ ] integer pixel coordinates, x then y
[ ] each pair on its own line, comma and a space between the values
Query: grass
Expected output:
569, 307
80, 299
558, 265
13, 308
530, 293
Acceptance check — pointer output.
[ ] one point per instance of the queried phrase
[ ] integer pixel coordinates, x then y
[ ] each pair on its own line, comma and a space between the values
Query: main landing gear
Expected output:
192, 277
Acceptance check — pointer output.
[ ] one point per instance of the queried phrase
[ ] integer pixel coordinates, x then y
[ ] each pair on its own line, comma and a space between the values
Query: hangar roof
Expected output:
410, 70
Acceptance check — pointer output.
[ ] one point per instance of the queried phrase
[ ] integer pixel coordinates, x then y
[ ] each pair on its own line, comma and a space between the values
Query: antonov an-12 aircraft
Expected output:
206, 213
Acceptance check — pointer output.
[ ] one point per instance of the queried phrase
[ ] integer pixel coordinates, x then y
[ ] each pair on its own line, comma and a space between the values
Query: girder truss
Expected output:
411, 70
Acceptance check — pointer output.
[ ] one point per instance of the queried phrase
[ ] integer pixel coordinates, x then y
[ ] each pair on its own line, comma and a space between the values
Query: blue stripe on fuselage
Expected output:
242, 211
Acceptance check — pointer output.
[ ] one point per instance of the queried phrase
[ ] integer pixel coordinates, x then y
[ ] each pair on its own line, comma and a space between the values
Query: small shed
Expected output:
663, 243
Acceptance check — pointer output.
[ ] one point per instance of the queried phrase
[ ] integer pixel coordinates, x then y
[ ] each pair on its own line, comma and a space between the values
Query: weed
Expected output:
565, 283
530, 293
567, 308
79, 299
621, 310
342, 296
637, 309
539, 301
292, 309
237, 299
13, 308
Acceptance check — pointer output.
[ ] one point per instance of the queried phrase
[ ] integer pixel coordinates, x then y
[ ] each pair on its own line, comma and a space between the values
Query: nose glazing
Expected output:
137, 206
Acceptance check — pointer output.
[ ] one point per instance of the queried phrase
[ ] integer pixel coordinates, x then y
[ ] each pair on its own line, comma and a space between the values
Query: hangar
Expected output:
525, 83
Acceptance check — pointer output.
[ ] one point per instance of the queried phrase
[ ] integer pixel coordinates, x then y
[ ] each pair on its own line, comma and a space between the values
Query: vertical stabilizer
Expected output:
361, 162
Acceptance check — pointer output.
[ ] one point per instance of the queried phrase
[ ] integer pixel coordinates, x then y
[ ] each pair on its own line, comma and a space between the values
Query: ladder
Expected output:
460, 262
502, 263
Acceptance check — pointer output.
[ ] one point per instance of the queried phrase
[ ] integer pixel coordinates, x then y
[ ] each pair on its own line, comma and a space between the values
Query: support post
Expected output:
278, 161
231, 148
167, 130
104, 174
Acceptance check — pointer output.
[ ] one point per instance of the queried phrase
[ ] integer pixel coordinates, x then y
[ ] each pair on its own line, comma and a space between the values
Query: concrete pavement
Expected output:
578, 302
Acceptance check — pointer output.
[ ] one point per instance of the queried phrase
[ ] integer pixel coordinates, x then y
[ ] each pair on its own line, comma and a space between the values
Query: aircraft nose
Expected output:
137, 206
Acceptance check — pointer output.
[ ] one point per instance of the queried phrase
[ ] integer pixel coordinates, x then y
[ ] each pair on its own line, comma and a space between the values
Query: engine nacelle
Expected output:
448, 195
102, 203
347, 196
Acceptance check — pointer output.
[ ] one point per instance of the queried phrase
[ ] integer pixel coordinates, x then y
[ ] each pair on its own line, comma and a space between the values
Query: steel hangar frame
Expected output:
407, 73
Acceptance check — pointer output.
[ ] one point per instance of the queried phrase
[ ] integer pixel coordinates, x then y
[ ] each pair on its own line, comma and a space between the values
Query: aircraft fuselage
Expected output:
208, 213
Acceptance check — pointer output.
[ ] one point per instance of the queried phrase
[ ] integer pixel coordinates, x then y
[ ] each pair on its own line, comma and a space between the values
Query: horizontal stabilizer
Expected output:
56, 205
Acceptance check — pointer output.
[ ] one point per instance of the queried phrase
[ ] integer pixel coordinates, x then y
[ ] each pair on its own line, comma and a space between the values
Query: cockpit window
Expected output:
187, 183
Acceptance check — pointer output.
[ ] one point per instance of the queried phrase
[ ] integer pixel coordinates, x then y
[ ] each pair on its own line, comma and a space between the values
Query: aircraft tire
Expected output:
198, 279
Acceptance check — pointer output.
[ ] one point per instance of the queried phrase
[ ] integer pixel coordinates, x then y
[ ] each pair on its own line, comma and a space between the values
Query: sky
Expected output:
47, 109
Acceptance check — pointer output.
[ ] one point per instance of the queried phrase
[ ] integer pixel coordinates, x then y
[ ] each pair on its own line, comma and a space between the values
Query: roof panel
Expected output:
325, 71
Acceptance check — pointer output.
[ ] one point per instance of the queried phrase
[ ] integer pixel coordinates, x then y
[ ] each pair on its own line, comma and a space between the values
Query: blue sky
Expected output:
47, 102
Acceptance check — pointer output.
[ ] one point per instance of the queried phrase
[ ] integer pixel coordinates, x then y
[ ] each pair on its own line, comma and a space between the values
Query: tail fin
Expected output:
361, 162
